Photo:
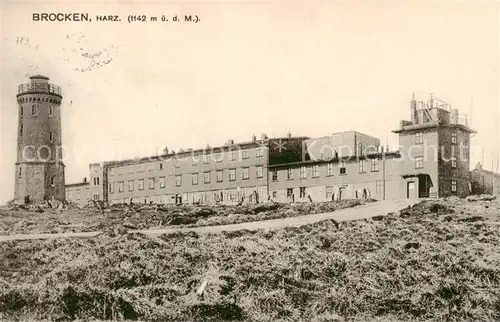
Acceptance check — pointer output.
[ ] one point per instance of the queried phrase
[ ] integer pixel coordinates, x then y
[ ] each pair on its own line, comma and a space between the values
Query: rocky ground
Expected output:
97, 217
436, 261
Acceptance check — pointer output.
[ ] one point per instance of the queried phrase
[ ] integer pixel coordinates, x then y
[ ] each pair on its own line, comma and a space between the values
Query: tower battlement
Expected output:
39, 84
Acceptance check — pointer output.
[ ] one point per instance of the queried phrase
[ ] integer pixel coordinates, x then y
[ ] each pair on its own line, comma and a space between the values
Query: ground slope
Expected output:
437, 261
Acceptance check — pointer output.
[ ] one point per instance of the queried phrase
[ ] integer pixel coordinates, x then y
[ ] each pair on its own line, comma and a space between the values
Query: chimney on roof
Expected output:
254, 138
413, 109
230, 142
263, 136
289, 134
84, 179
479, 166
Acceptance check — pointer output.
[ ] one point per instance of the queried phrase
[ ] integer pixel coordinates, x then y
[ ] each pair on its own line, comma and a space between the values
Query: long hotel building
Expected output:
432, 161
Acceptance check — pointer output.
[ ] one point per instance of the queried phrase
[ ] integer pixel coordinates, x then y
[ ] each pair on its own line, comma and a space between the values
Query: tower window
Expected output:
419, 138
342, 169
50, 110
454, 139
52, 181
33, 109
419, 162
20, 172
21, 129
21, 111
51, 135
453, 185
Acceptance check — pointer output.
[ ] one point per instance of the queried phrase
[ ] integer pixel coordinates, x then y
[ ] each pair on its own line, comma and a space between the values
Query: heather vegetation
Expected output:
436, 261
96, 217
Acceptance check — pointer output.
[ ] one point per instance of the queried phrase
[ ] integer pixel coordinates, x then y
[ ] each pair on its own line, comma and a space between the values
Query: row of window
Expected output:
245, 172
419, 162
34, 110
21, 130
419, 138
329, 170
206, 159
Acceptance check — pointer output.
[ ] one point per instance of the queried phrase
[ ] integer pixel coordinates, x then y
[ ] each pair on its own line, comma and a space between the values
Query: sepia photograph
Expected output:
318, 161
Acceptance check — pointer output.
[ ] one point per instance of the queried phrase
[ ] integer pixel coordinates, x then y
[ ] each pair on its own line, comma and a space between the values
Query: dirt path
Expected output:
360, 212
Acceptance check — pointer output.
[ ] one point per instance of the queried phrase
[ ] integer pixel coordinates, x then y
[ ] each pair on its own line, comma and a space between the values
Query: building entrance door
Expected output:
410, 190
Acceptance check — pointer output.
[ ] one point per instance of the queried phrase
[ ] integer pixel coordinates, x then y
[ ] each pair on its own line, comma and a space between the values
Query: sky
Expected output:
247, 68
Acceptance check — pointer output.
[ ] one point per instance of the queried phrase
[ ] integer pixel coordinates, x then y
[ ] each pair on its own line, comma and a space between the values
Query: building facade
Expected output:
39, 167
484, 181
78, 193
432, 161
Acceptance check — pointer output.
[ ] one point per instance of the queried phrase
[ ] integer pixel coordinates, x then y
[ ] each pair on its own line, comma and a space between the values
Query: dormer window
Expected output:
33, 109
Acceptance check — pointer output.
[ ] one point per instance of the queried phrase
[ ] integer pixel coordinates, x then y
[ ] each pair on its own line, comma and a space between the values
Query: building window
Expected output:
260, 171
96, 181
21, 129
96, 196
329, 169
33, 110
361, 166
260, 152
379, 187
360, 148
246, 174
302, 192
120, 186
50, 110
275, 194
419, 162
453, 185
220, 177
244, 154
194, 178
232, 155
218, 157
20, 172
205, 158
454, 139
161, 166
140, 184
342, 167
289, 174
274, 175
22, 111
52, 181
177, 163
51, 137
419, 138
178, 181
151, 183
111, 188
232, 174
453, 162
194, 160
374, 165
315, 171
162, 182
206, 177
289, 192
131, 185
302, 173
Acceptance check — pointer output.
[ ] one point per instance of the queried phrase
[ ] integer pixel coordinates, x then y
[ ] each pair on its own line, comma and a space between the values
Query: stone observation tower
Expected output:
39, 166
